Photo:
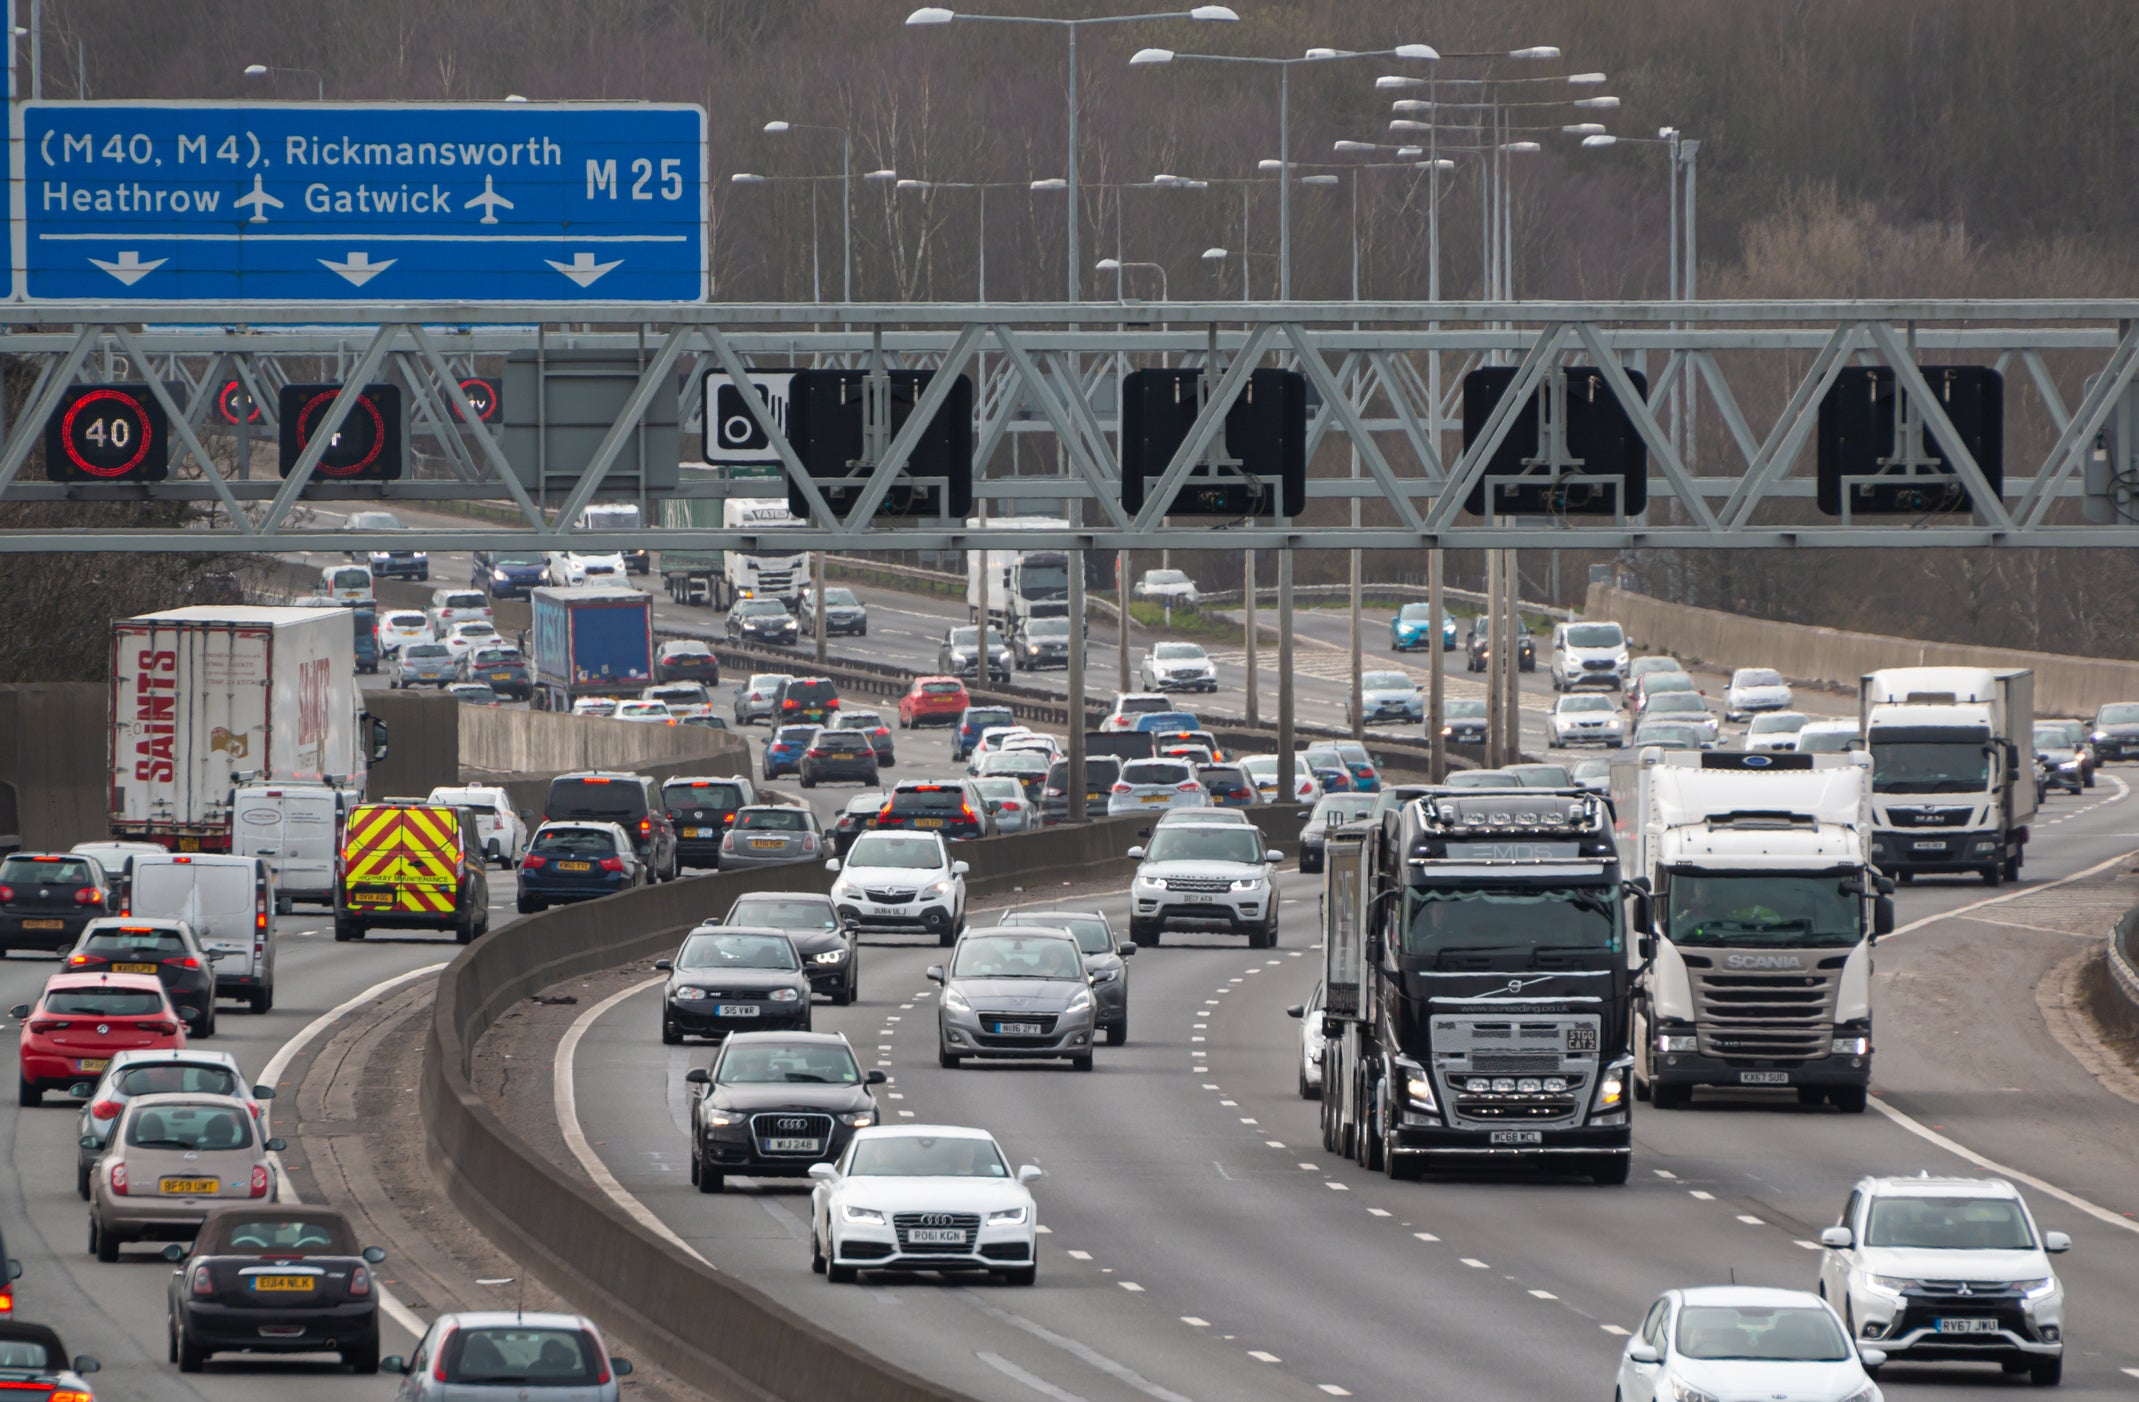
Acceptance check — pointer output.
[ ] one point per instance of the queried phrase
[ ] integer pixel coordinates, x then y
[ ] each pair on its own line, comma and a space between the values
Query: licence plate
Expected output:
1763, 1078
189, 844
928, 822
936, 1236
1152, 798
286, 1283
1932, 846
575, 866
1517, 1136
133, 968
1968, 1326
791, 1146
189, 1185
44, 924
735, 1009
371, 898
92, 1063
1581, 1039
1017, 1029
501, 676
1199, 900
697, 832
768, 844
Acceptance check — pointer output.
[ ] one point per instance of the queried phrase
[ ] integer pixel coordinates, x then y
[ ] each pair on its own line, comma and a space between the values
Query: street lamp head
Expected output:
1387, 81
1583, 128
744, 177
1405, 153
1320, 53
1404, 124
880, 175
1594, 142
1214, 14
1444, 163
776, 127
931, 14
1536, 51
1666, 133
1147, 56
1412, 104
1417, 51
1214, 255
1585, 80
1597, 104
911, 185
1107, 265
1269, 165
1052, 182
1318, 180
1521, 147
256, 70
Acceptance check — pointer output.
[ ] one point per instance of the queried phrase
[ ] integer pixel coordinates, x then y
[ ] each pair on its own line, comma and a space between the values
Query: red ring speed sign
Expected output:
144, 430
378, 433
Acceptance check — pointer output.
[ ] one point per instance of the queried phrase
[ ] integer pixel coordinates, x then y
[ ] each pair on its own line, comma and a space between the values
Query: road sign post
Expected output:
387, 202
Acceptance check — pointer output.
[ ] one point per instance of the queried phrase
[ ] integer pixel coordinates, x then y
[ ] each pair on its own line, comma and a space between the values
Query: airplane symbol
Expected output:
582, 269
259, 199
359, 269
130, 269
490, 201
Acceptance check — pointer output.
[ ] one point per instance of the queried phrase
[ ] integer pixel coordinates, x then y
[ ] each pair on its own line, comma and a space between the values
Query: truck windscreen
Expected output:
1044, 578
1456, 927
1767, 910
1929, 766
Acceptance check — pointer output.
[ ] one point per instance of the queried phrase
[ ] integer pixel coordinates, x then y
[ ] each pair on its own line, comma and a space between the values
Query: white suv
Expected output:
1178, 667
1589, 654
1204, 874
1946, 1269
901, 881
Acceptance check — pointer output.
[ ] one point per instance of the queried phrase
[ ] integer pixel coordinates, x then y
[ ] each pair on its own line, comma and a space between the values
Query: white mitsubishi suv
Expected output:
1947, 1269
1204, 874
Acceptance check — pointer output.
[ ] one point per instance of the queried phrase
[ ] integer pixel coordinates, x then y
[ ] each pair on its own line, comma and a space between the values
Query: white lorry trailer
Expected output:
1953, 769
206, 698
1010, 587
1755, 907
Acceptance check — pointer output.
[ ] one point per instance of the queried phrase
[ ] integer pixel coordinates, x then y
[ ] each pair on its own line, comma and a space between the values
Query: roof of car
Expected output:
67, 983
1757, 1296
179, 1056
813, 1039
513, 1319
214, 1228
600, 774
922, 1132
1942, 1187
42, 1335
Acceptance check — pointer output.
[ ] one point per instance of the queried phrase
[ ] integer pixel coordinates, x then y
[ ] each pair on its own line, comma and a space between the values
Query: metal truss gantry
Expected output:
1385, 380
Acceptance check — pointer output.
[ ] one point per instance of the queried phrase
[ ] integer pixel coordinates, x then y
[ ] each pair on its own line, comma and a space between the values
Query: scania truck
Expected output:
1754, 911
1953, 769
720, 577
1477, 991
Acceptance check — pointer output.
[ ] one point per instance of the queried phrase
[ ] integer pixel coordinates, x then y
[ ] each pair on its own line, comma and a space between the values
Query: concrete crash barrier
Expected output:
502, 740
54, 756
2112, 991
2064, 686
674, 1310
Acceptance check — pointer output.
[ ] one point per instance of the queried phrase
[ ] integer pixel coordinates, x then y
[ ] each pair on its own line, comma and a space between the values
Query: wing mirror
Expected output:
1644, 1352
174, 1253
823, 1172
831, 864
87, 1363
1125, 949
1839, 1238
1273, 856
665, 965
935, 973
1883, 916
1638, 912
1296, 1010
1646, 948
698, 1076
1136, 852
89, 1141
1871, 1357
263, 1092
620, 1366
276, 1146
81, 1090
372, 1254
2056, 1242
20, 1010
960, 868
1030, 1173
876, 1078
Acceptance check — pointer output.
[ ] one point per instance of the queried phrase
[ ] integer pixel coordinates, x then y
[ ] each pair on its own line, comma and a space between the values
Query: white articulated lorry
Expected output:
1953, 769
1009, 588
205, 699
1754, 932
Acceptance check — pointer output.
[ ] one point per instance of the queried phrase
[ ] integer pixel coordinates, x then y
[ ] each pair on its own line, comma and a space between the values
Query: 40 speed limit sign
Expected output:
107, 433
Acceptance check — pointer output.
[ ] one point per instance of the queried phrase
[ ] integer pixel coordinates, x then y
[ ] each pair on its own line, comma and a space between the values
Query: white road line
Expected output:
1131, 1286
1698, 1196
1962, 1151
1426, 1236
1614, 1330
1038, 1384
280, 1062
1333, 1390
1475, 1264
1543, 1295
566, 1101
1259, 1356
1378, 1211
1080, 1255
1750, 1221
1808, 1245
1194, 1323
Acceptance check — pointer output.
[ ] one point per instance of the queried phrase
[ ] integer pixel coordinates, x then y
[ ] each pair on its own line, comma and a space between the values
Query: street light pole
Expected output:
846, 196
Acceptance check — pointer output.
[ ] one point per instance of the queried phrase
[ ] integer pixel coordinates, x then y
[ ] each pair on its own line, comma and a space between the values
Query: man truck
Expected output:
1477, 991
1753, 937
1953, 769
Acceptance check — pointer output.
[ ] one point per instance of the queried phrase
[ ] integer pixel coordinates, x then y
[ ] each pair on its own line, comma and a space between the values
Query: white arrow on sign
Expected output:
582, 269
359, 269
129, 269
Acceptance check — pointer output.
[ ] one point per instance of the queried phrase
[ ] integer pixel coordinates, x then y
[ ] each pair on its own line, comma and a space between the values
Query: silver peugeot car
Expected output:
1020, 993
1102, 960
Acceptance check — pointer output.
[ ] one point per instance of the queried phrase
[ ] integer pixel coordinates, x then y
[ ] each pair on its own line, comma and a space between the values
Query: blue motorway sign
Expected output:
391, 202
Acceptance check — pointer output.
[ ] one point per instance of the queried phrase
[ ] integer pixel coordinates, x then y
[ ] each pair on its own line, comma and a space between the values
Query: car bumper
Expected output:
1440, 1141
1379, 712
559, 892
1606, 677
1121, 804
872, 1246
1569, 739
966, 1035
159, 1219
1931, 850
229, 1328
1184, 684
1170, 911
1695, 1069
827, 978
1113, 1000
738, 860
15, 930
901, 919
50, 1069
699, 1018
850, 773
1909, 1327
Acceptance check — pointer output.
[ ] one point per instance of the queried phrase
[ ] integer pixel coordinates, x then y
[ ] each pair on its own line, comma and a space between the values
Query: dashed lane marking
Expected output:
1259, 1356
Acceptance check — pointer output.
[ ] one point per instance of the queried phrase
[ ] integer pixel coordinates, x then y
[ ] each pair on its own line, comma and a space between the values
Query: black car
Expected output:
152, 945
975, 722
575, 861
958, 655
837, 756
1474, 651
855, 819
725, 979
1330, 811
800, 699
274, 1278
46, 898
632, 802
1041, 642
762, 621
1228, 785
870, 723
502, 669
830, 951
1463, 722
2115, 732
701, 810
1101, 772
37, 1363
774, 1104
686, 660
843, 613
950, 807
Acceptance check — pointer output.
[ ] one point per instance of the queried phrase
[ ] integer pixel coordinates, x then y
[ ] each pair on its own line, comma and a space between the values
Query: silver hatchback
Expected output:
771, 835
423, 664
1019, 994
507, 1355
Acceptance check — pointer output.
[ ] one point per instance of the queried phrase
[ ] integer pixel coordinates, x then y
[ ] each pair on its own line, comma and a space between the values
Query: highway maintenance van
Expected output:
406, 865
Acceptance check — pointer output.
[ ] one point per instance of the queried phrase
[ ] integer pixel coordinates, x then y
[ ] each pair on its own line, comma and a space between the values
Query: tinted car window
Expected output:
851, 741
177, 1078
1155, 771
148, 944
890, 850
981, 717
773, 820
28, 871
575, 842
762, 1065
935, 798
429, 650
702, 795
1099, 771
942, 688
1016, 956
783, 913
620, 800
737, 952
104, 1002
518, 1356
806, 692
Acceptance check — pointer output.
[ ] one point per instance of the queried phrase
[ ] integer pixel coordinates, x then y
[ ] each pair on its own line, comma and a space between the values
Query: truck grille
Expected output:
1785, 1015
1467, 1046
1515, 1109
1929, 817
1516, 1063
967, 1224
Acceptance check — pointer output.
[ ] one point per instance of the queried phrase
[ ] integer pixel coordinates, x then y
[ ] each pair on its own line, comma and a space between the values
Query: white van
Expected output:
230, 903
347, 584
618, 516
503, 831
296, 829
1589, 654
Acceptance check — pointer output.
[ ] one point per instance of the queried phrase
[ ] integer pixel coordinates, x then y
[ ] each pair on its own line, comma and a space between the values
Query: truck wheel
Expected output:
1610, 1170
347, 930
260, 999
1850, 1100
1994, 875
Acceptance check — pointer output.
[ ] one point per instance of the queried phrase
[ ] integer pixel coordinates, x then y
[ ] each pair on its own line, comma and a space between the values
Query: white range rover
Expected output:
1204, 875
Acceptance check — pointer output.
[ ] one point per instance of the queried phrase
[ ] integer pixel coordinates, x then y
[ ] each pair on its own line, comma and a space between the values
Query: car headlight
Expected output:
1007, 1217
2099, 736
1687, 1392
721, 1119
1418, 1087
956, 1001
1889, 1284
1250, 883
1106, 975
861, 1214
1080, 1003
1666, 1042
1850, 1046
688, 994
935, 889
2037, 1288
830, 956
1149, 883
785, 995
846, 890
859, 1119
1866, 1393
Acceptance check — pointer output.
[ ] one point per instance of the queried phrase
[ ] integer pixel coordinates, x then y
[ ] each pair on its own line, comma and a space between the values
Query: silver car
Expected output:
770, 835
1390, 696
1103, 956
754, 699
1012, 808
1017, 994
508, 1355
1682, 708
1151, 784
423, 664
161, 1071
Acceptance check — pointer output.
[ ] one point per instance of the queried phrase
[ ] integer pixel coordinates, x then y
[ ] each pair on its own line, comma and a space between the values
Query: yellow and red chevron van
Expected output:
408, 865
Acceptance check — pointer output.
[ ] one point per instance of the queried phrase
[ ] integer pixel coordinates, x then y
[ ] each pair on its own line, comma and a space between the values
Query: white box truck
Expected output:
1754, 911
204, 699
1953, 769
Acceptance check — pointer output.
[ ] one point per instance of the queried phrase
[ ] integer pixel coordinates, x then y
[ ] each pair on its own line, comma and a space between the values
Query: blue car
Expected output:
1166, 722
509, 574
976, 720
783, 749
576, 861
1413, 625
1331, 769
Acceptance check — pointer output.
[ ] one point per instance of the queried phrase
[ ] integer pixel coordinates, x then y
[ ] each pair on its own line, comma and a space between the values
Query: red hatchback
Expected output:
82, 1020
933, 701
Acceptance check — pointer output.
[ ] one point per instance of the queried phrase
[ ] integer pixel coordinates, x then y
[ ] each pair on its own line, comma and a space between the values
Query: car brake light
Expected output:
161, 1028
7, 893
43, 1026
360, 1282
612, 864
1011, 805
203, 1281
77, 960
533, 862
118, 1178
260, 918
1190, 787
184, 961
646, 825
106, 1109
259, 1185
1122, 788
727, 842
88, 895
7, 1302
